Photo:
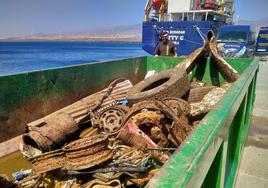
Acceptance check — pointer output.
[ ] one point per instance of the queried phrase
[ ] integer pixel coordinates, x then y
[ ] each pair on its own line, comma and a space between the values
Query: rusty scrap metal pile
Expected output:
124, 143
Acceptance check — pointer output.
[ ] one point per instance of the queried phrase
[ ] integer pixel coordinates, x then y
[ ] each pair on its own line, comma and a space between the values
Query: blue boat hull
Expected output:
187, 35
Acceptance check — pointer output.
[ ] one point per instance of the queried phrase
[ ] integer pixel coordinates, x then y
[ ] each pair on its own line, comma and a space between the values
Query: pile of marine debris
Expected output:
122, 135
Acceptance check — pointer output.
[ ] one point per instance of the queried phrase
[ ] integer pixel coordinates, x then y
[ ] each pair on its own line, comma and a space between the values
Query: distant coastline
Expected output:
92, 39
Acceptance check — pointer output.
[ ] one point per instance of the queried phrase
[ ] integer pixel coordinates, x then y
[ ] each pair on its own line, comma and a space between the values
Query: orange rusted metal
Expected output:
179, 106
143, 180
51, 134
179, 129
111, 119
99, 183
48, 161
173, 124
130, 134
87, 152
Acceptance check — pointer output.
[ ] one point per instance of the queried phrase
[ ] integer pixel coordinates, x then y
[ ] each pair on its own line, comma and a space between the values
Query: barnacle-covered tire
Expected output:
168, 83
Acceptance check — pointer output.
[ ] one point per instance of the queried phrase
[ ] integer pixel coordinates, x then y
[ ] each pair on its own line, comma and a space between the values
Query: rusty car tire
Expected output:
168, 83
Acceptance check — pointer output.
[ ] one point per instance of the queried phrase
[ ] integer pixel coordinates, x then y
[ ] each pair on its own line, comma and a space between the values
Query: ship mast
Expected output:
157, 5
230, 5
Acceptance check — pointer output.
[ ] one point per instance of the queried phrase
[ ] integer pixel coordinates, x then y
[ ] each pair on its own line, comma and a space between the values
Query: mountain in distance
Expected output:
120, 31
258, 23
255, 24
130, 30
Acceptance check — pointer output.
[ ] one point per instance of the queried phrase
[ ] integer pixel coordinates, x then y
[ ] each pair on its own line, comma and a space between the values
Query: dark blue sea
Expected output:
16, 57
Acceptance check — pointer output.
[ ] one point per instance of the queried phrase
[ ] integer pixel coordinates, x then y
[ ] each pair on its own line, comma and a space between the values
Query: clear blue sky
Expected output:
23, 17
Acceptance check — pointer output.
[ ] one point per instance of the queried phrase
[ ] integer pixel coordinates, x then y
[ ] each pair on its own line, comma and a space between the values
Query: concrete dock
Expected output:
253, 171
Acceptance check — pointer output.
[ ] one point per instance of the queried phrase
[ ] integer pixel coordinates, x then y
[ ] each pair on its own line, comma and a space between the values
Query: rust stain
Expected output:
48, 161
87, 152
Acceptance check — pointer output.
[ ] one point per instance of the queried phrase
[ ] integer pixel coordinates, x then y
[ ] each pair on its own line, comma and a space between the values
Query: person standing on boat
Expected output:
165, 47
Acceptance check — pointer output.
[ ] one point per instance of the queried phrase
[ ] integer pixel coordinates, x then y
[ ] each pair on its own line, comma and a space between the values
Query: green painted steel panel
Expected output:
29, 96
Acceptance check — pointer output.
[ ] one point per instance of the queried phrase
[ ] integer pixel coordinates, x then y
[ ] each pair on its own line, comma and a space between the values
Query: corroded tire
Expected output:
168, 83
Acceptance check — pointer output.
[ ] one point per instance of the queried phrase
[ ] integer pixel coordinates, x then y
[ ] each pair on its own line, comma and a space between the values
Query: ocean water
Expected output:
16, 57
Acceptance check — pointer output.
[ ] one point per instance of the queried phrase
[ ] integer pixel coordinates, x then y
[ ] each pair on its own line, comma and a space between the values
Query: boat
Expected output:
186, 22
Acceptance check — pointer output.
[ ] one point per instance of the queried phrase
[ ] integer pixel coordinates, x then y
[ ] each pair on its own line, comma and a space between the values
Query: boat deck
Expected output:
253, 171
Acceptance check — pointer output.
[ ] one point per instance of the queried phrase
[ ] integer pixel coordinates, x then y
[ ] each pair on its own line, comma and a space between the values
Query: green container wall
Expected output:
29, 96
209, 157
211, 154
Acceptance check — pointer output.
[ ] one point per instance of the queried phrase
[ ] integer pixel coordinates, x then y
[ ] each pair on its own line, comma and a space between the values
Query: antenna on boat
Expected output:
237, 18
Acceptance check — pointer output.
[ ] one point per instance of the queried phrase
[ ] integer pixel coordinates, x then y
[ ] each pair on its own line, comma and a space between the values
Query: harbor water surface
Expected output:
16, 57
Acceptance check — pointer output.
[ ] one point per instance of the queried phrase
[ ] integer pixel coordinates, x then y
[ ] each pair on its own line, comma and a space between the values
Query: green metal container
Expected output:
209, 157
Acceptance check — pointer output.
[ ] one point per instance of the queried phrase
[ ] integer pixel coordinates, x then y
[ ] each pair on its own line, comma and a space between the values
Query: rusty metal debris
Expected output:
123, 144
179, 106
132, 135
152, 122
126, 156
110, 184
111, 119
198, 93
229, 73
152, 130
196, 57
143, 180
31, 181
148, 114
51, 134
86, 152
178, 130
208, 101
196, 83
90, 131
48, 161
80, 110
